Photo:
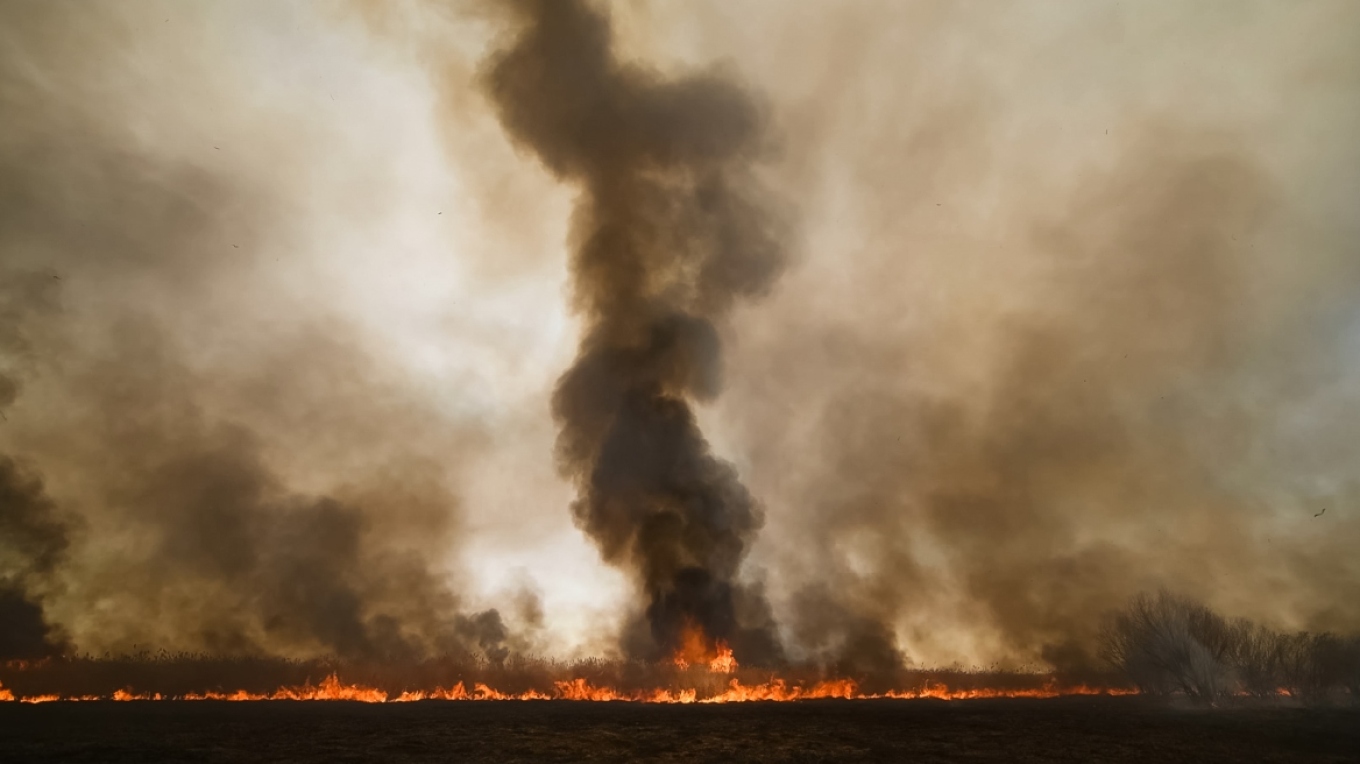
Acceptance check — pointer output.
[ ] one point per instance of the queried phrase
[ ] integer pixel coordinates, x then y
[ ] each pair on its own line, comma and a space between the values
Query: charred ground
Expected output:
1064, 729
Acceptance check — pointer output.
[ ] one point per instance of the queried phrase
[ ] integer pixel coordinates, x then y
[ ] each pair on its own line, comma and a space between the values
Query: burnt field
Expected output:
1060, 729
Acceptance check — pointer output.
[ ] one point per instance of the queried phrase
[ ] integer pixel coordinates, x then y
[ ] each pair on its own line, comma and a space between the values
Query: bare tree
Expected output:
1257, 657
1166, 643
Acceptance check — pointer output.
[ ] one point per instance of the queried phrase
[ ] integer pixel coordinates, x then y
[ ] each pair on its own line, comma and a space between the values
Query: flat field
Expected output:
1093, 729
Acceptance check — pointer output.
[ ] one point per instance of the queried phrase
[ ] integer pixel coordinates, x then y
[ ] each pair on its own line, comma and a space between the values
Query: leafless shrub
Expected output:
1314, 667
1341, 658
1165, 643
1257, 657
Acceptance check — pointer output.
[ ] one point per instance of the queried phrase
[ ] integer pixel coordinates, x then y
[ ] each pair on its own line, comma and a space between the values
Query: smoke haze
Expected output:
1078, 333
332, 329
250, 478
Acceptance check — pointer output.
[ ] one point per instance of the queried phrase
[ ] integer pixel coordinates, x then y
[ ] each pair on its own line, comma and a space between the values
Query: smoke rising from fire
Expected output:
670, 230
1069, 314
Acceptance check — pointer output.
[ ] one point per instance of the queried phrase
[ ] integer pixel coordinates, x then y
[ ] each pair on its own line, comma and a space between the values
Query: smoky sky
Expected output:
868, 333
1077, 336
149, 374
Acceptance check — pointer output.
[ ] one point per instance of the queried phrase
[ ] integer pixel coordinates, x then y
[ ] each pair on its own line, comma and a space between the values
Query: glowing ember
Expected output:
1049, 690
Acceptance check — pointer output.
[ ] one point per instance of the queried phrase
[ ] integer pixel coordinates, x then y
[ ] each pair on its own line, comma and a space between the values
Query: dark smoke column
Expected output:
667, 234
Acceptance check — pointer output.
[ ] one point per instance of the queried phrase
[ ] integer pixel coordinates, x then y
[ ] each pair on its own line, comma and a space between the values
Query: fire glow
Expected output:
696, 649
332, 689
700, 670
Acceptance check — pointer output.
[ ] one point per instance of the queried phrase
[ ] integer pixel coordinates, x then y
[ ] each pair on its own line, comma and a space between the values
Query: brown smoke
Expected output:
34, 535
1073, 323
669, 232
249, 480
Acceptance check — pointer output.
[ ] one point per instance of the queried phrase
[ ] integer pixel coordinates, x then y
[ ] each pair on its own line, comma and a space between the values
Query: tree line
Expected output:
1166, 643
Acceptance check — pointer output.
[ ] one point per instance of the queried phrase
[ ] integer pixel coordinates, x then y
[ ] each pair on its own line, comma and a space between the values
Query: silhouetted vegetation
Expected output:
1166, 644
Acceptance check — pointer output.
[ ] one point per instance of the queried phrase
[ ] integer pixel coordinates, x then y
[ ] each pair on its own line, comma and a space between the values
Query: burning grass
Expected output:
718, 680
1157, 646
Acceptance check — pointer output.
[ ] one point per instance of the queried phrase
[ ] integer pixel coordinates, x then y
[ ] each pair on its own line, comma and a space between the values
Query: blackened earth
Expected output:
1061, 729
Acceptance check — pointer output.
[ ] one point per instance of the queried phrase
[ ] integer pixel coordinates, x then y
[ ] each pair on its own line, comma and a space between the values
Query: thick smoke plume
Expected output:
34, 535
669, 232
33, 541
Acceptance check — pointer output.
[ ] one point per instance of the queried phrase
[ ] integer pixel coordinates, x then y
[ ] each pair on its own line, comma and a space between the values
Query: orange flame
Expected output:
580, 689
723, 662
331, 688
696, 649
1050, 690
693, 647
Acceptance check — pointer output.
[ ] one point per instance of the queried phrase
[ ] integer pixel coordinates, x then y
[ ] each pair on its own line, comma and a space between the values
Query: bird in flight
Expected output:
1324, 509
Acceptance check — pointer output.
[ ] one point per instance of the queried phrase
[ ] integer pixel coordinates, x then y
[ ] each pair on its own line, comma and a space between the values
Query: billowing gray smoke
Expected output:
34, 536
669, 232
32, 542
